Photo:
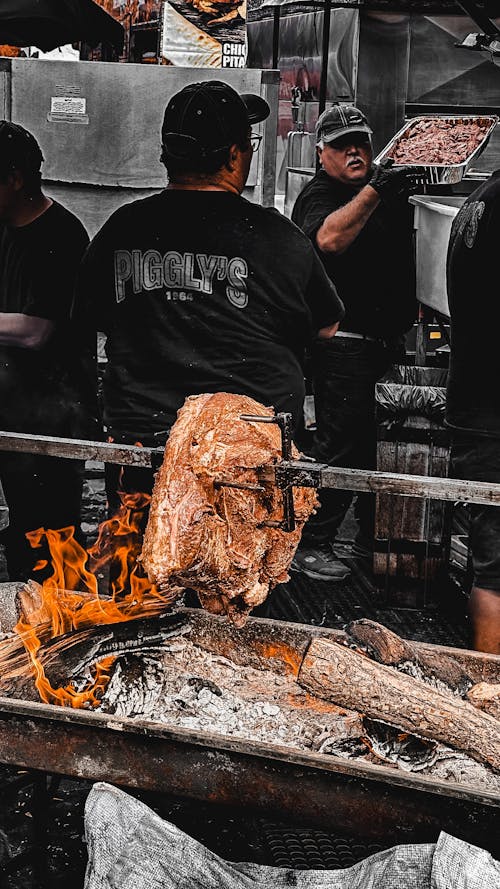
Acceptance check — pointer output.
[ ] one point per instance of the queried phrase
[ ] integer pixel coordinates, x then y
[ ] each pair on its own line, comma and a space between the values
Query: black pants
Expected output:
345, 371
131, 479
478, 458
40, 492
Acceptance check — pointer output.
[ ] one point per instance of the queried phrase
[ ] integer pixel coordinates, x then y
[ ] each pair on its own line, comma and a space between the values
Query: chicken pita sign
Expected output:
204, 33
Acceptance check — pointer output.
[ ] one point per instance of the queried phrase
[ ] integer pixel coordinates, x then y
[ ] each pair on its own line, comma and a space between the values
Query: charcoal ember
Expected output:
185, 686
212, 538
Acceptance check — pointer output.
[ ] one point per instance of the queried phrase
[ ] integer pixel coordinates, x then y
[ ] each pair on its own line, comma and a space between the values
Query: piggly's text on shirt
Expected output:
137, 271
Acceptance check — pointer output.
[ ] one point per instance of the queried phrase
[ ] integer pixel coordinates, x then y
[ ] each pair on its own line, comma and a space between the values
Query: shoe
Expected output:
320, 563
362, 548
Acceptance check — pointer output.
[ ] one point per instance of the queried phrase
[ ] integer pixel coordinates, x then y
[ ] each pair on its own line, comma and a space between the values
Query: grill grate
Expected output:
313, 849
329, 604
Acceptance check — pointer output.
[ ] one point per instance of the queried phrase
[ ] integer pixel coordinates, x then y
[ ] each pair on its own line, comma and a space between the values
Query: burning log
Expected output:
351, 680
388, 648
70, 600
77, 654
70, 654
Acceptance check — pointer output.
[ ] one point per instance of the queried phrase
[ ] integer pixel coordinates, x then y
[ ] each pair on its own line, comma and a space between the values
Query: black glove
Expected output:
396, 182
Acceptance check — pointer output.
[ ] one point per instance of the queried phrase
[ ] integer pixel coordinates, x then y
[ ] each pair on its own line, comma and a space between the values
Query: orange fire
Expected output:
70, 598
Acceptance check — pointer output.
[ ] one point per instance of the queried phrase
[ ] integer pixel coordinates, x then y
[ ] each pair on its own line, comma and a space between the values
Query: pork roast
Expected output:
439, 141
213, 539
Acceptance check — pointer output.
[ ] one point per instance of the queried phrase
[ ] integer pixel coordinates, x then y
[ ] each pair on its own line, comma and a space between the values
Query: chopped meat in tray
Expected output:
439, 141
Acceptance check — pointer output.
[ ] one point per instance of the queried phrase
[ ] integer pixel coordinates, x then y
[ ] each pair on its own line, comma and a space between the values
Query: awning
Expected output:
51, 23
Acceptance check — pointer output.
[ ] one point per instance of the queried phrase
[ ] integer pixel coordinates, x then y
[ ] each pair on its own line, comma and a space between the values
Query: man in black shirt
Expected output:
197, 289
41, 381
358, 218
473, 396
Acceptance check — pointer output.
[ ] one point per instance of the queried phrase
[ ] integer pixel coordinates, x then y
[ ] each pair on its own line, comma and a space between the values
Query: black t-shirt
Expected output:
201, 292
473, 396
375, 276
41, 390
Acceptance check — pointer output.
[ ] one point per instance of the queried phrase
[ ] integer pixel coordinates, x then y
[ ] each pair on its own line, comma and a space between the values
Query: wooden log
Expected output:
352, 680
16, 670
9, 614
486, 696
388, 648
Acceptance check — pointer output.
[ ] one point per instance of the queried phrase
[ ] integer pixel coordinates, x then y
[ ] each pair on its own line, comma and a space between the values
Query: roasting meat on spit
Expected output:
210, 537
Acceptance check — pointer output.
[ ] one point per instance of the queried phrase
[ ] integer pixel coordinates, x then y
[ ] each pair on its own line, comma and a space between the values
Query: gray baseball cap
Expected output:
339, 120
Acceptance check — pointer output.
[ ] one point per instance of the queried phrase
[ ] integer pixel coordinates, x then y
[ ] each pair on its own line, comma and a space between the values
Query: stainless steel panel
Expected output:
93, 204
296, 180
5, 75
114, 139
384, 50
432, 222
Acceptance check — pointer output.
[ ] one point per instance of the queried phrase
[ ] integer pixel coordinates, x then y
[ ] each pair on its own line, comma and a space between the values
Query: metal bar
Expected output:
480, 17
319, 475
297, 473
276, 36
325, 47
286, 427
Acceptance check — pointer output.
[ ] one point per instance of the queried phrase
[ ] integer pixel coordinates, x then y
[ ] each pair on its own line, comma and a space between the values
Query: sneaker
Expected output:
362, 548
320, 563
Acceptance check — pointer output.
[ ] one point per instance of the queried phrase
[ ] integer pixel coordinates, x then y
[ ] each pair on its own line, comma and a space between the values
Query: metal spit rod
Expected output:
298, 473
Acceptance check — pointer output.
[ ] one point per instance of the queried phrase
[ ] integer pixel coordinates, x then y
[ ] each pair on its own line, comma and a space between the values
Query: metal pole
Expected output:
324, 56
276, 36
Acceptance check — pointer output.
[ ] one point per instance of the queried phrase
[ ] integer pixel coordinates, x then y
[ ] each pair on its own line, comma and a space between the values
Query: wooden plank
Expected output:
300, 473
78, 449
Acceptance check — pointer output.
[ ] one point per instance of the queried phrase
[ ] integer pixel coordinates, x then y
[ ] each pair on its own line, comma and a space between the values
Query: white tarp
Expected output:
130, 847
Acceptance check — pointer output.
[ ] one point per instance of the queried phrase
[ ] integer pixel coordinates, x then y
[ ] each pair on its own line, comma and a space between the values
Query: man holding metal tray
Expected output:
358, 218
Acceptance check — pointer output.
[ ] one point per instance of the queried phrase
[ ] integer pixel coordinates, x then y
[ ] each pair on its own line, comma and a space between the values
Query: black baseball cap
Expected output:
204, 118
19, 149
339, 120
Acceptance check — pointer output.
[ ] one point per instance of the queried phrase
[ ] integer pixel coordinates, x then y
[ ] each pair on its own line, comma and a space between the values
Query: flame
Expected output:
70, 598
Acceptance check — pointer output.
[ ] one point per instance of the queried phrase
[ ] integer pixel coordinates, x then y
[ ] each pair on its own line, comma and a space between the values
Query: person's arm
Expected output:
24, 331
387, 183
341, 227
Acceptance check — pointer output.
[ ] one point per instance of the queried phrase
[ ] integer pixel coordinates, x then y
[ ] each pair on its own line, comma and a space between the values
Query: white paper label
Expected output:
67, 105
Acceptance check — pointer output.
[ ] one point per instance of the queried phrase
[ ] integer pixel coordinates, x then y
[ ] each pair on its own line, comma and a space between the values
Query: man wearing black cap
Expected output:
197, 289
358, 218
41, 245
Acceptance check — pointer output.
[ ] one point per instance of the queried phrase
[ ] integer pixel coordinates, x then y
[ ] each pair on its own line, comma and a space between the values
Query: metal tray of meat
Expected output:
445, 173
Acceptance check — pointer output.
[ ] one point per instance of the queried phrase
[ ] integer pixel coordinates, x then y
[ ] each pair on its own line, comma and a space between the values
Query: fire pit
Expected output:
306, 769
371, 800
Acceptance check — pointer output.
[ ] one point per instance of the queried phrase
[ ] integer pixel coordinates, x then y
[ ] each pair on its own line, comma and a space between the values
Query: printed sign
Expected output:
68, 109
68, 105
